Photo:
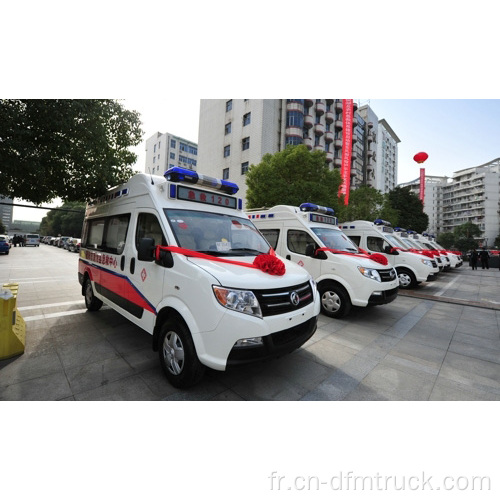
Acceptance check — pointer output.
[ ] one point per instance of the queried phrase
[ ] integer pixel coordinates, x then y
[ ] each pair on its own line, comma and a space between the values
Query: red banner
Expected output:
345, 169
422, 185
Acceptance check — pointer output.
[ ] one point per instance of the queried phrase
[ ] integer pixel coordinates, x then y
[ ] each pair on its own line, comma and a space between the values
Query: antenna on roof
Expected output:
151, 175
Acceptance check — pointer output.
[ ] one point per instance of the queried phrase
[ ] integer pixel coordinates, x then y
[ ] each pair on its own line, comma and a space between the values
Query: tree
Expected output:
291, 177
2, 228
447, 240
367, 203
74, 149
497, 242
465, 235
65, 223
410, 208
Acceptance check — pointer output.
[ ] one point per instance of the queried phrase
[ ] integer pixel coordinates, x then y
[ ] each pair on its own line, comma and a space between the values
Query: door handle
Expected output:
132, 265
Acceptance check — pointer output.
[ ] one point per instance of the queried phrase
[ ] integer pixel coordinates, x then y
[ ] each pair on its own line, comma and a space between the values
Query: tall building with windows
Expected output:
6, 210
164, 151
386, 174
236, 133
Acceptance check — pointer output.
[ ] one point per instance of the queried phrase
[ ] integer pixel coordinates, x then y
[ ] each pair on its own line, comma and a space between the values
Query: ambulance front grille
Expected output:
280, 300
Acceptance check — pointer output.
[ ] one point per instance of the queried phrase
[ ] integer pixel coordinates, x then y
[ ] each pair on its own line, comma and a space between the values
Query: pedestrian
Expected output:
473, 259
485, 258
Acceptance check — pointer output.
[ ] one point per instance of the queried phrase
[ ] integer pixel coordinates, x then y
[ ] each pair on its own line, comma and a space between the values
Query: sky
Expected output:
455, 133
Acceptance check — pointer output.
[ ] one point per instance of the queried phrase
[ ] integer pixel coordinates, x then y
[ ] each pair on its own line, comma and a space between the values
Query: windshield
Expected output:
215, 234
411, 243
334, 239
395, 241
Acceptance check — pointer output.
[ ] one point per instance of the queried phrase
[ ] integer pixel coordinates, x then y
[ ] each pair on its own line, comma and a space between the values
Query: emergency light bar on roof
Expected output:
311, 207
381, 222
177, 174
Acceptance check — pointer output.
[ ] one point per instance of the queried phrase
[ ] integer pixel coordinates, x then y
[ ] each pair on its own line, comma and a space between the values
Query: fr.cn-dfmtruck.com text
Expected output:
349, 481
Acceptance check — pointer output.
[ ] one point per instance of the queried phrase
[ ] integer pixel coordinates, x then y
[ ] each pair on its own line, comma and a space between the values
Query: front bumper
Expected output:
274, 345
384, 297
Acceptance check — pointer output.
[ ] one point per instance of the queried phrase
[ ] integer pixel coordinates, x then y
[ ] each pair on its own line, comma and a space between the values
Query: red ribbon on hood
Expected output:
376, 257
266, 262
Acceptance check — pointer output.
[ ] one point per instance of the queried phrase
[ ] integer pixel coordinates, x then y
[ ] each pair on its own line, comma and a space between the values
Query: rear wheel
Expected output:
335, 301
91, 301
178, 356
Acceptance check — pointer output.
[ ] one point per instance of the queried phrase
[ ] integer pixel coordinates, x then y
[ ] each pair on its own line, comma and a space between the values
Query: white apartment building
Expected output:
236, 133
433, 196
164, 151
474, 196
386, 170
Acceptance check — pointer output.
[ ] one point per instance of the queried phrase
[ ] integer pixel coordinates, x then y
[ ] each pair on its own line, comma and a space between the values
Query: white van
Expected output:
309, 236
33, 239
412, 238
177, 256
430, 242
378, 236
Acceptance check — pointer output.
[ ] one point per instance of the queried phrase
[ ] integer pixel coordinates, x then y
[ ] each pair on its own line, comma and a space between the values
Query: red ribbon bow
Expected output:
376, 257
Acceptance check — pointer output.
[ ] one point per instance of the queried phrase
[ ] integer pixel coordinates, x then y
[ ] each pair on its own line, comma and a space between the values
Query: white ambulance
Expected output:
309, 236
378, 236
430, 242
177, 256
414, 238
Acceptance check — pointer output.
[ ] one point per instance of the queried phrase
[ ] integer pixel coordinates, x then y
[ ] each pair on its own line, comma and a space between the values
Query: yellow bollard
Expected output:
12, 325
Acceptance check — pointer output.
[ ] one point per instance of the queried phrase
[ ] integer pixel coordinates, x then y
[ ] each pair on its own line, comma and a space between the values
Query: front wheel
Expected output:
335, 301
91, 301
406, 279
178, 357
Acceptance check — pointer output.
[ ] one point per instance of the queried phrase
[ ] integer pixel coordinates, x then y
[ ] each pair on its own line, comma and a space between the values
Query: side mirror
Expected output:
390, 250
166, 259
310, 250
146, 249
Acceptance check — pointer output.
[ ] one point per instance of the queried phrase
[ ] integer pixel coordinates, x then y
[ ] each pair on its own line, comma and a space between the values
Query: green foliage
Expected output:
367, 203
497, 242
74, 149
465, 236
58, 222
291, 177
2, 228
410, 208
447, 240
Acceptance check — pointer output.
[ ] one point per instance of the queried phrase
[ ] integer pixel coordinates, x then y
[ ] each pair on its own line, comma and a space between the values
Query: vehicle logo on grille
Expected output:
294, 298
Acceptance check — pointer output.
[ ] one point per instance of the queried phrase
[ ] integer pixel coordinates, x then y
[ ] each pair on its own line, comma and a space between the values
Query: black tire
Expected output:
335, 301
178, 356
406, 279
91, 301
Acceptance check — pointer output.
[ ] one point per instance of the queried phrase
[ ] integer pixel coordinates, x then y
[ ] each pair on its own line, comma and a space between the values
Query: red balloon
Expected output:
421, 157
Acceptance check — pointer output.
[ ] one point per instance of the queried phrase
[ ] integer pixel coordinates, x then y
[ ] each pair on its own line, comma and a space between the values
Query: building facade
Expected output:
164, 151
236, 133
386, 174
6, 211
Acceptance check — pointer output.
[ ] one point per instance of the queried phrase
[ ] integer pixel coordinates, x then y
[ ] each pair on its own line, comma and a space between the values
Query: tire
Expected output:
335, 301
178, 357
406, 279
91, 301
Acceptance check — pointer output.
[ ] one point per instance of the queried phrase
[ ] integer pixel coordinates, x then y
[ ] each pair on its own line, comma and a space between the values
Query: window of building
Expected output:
172, 156
229, 105
154, 159
246, 119
293, 140
154, 148
227, 151
294, 119
225, 173
227, 128
172, 143
244, 168
245, 143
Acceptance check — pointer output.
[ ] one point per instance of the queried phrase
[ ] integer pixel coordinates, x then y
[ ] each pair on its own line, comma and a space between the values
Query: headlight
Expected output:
243, 301
427, 262
370, 273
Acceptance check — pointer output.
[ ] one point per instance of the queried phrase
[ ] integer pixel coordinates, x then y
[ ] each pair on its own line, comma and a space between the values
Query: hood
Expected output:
236, 276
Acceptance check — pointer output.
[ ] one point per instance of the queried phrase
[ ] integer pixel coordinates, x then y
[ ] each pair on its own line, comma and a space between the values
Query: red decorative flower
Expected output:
269, 264
378, 257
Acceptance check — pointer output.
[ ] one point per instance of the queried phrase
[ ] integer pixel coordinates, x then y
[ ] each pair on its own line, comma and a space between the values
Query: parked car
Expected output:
73, 244
62, 241
4, 244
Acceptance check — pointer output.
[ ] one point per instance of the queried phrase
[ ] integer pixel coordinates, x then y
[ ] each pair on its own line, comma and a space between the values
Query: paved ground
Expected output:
440, 342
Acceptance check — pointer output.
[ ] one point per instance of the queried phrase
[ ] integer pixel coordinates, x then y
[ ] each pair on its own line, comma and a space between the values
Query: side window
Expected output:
297, 241
355, 239
375, 244
116, 234
271, 236
95, 234
148, 226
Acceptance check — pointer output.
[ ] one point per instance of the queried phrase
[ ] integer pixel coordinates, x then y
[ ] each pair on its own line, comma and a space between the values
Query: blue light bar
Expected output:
311, 207
400, 229
177, 174
381, 222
